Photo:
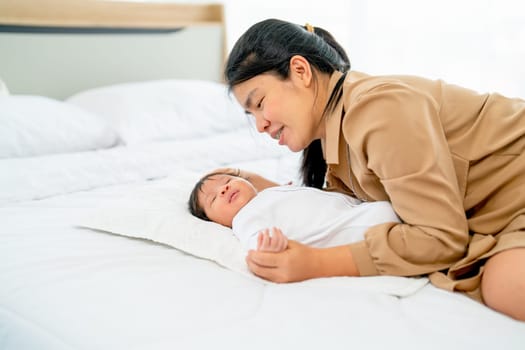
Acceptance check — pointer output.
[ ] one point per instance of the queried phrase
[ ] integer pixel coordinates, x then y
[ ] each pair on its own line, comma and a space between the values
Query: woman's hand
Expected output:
300, 262
231, 171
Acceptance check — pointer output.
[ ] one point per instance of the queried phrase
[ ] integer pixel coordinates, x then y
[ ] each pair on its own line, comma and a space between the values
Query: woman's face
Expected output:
222, 196
290, 110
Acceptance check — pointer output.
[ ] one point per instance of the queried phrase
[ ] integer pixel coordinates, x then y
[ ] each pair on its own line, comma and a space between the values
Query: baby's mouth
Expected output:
232, 195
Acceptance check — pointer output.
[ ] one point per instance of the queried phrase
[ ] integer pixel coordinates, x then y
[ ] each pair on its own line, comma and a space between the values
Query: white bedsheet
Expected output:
62, 287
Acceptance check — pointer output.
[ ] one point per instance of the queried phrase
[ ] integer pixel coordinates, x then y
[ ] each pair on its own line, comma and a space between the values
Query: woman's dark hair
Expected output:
267, 47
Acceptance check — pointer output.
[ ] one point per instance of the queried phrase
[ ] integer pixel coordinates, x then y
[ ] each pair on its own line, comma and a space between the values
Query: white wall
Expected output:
476, 43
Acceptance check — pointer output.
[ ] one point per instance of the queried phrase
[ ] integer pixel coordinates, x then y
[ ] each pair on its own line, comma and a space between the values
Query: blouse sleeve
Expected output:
395, 133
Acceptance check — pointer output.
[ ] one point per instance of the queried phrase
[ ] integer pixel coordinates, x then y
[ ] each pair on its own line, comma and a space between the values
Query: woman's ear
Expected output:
301, 70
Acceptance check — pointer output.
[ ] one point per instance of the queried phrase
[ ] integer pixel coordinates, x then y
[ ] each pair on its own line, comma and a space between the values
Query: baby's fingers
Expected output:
279, 240
263, 240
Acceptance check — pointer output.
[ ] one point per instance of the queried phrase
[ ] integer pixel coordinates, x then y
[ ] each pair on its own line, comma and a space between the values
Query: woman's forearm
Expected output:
259, 182
300, 262
336, 261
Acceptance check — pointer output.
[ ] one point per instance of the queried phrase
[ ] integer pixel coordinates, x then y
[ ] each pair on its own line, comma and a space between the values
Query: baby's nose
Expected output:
225, 189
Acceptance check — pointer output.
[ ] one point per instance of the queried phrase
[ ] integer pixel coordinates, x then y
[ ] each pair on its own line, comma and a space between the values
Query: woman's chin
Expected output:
294, 148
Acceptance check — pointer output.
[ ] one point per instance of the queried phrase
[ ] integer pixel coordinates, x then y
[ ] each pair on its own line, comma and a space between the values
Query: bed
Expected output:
109, 112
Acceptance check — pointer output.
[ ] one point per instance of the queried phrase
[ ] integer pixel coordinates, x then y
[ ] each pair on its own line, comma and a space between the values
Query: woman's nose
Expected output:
261, 123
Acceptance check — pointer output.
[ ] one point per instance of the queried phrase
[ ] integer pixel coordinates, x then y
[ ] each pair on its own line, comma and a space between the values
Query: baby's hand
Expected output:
275, 243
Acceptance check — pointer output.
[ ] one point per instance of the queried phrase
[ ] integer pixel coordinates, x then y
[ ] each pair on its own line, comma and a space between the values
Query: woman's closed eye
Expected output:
260, 103
258, 106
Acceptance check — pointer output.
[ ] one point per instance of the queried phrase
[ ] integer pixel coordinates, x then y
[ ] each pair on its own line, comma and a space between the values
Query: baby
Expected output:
308, 215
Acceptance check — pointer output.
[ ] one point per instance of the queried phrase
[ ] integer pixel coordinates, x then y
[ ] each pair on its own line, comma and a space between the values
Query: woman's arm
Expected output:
399, 148
300, 262
258, 181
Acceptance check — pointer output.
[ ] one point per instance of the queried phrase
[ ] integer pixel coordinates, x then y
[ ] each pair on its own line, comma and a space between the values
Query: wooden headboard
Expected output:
56, 48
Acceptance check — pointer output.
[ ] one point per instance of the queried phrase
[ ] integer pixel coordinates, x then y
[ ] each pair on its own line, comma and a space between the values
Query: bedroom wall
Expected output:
476, 43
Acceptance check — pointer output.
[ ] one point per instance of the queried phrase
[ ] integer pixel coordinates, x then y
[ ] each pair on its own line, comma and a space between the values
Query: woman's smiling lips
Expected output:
281, 137
277, 133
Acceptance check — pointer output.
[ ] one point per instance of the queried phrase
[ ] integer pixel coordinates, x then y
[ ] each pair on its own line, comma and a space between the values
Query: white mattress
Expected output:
64, 287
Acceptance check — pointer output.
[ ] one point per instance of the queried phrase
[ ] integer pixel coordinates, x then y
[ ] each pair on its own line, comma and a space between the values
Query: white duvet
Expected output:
66, 287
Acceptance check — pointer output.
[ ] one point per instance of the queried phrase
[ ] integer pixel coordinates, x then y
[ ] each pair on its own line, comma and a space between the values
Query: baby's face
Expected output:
222, 196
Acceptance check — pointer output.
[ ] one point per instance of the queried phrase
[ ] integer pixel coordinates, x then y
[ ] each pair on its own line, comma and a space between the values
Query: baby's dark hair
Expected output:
267, 47
193, 203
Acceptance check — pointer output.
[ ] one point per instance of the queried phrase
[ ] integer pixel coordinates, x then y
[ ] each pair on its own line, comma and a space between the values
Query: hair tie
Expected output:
309, 28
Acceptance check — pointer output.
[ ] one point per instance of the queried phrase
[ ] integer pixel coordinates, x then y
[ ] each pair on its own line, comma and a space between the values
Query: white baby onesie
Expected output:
308, 215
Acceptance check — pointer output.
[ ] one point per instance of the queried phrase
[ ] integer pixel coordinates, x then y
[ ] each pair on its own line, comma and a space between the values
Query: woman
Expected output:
449, 160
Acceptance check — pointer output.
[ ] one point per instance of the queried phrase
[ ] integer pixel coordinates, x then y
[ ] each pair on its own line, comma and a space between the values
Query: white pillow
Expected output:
164, 109
37, 125
160, 214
